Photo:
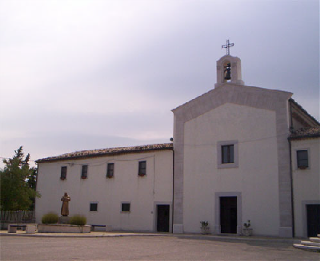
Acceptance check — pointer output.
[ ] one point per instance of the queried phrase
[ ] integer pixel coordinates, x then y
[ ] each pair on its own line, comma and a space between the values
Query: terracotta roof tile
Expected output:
107, 152
305, 133
304, 111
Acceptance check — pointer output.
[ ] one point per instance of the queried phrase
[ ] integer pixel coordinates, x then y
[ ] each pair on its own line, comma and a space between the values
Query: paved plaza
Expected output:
170, 247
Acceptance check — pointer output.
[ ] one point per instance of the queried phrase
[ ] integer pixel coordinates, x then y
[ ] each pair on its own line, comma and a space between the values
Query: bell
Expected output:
228, 75
227, 72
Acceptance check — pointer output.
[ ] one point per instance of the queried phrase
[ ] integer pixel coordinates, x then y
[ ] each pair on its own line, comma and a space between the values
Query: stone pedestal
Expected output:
62, 228
63, 220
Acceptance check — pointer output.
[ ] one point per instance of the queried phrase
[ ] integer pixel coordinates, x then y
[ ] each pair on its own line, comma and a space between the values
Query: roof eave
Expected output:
98, 155
302, 137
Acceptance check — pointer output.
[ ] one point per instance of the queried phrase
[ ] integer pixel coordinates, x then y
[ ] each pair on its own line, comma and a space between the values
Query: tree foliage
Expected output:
18, 182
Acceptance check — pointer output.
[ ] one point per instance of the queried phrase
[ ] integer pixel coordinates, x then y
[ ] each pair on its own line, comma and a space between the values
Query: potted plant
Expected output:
247, 231
204, 227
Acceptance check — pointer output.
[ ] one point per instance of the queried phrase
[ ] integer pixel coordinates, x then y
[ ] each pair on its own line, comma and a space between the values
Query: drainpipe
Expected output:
172, 191
292, 196
291, 176
35, 199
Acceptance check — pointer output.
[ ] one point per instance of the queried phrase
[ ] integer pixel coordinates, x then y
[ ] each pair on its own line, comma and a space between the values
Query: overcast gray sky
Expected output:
94, 74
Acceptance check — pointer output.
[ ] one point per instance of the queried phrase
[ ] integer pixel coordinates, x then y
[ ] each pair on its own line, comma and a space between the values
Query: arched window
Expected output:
227, 71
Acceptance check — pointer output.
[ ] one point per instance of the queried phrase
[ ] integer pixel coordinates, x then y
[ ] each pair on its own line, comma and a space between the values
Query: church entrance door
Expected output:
228, 215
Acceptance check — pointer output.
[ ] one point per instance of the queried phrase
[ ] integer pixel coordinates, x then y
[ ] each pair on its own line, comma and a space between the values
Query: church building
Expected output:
239, 153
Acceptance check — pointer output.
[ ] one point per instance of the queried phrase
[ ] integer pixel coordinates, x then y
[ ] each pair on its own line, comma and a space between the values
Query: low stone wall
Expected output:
63, 228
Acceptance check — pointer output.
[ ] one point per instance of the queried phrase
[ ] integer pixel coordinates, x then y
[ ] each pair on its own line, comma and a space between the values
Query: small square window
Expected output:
63, 173
125, 207
84, 171
227, 154
110, 170
142, 168
93, 206
302, 159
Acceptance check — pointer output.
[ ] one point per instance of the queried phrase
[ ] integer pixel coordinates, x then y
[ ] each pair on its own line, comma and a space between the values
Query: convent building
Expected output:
239, 153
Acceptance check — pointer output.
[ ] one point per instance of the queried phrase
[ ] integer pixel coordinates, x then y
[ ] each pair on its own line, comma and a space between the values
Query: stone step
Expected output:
309, 248
309, 243
314, 239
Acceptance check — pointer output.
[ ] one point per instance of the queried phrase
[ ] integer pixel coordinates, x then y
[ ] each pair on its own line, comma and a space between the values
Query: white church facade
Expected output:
239, 153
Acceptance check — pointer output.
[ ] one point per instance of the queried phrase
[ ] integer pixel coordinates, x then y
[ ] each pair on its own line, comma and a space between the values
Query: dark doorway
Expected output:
228, 215
163, 218
313, 220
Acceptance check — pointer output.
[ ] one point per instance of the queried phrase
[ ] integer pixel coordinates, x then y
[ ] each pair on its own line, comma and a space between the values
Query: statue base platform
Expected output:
64, 220
63, 228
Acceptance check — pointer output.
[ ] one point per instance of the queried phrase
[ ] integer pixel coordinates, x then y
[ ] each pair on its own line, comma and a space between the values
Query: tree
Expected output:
18, 183
32, 181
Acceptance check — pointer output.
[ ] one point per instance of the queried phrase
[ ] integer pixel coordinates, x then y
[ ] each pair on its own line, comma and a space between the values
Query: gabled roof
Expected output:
302, 115
305, 133
232, 93
107, 152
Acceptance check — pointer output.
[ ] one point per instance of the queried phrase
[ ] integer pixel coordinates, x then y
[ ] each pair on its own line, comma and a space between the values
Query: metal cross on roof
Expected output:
227, 46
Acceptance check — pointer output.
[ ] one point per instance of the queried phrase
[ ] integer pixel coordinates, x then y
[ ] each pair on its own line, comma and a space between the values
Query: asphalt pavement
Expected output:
146, 246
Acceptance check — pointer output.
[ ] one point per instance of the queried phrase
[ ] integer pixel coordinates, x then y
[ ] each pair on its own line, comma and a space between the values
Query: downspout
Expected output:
292, 196
172, 190
35, 199
291, 176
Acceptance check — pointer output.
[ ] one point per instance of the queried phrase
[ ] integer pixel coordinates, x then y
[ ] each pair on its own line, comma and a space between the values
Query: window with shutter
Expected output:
84, 172
63, 175
142, 168
227, 154
110, 170
302, 159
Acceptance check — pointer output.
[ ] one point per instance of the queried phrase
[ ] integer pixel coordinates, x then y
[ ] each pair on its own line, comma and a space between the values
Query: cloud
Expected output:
115, 69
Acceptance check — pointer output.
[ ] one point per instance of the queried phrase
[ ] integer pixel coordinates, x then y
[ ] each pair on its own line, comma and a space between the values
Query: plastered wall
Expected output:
255, 178
306, 182
126, 186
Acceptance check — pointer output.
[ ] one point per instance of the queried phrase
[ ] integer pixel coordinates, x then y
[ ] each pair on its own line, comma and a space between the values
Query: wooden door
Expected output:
228, 215
163, 218
313, 220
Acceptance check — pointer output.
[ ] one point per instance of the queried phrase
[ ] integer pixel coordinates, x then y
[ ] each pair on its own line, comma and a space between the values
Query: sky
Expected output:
78, 74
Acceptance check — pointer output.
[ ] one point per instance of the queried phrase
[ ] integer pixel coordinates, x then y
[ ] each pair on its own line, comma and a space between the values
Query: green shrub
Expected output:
78, 220
50, 218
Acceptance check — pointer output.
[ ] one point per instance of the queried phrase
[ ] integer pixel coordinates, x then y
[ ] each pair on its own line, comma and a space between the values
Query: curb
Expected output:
72, 235
187, 236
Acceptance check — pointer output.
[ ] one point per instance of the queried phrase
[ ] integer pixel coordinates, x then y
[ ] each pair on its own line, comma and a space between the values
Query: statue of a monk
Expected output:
65, 205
